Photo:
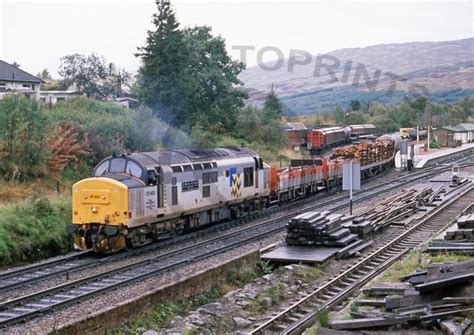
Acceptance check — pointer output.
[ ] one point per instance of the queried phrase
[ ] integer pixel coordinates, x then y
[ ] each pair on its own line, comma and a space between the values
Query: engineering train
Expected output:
324, 138
133, 199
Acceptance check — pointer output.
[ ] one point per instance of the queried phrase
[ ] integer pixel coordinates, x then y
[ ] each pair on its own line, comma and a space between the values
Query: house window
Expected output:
3, 87
248, 177
26, 85
60, 99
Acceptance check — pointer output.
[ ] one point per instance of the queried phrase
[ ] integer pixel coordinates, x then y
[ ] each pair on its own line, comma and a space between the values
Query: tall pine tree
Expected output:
161, 80
272, 109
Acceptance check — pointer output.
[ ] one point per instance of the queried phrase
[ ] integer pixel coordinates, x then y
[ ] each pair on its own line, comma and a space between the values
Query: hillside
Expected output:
442, 70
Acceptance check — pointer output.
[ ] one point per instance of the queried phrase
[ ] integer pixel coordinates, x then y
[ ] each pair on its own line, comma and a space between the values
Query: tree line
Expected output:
411, 113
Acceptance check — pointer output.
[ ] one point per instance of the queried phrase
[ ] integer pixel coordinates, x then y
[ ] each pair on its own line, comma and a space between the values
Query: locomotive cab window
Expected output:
151, 177
117, 165
248, 177
102, 169
134, 169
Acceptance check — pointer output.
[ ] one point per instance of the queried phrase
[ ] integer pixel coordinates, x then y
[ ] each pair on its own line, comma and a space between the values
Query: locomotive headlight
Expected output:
95, 209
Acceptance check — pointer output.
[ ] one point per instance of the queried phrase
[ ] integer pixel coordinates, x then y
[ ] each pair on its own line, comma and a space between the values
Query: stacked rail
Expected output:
394, 208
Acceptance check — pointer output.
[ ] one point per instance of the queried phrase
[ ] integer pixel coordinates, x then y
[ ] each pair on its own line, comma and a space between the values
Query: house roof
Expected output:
465, 126
452, 129
11, 73
294, 126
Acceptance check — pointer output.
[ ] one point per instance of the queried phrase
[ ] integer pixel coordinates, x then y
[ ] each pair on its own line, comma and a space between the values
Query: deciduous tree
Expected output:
92, 75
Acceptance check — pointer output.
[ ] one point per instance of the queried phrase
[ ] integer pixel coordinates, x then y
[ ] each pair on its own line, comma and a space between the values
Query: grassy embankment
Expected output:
32, 222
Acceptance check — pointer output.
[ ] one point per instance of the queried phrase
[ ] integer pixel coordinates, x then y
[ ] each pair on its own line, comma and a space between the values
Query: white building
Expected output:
16, 81
465, 132
53, 97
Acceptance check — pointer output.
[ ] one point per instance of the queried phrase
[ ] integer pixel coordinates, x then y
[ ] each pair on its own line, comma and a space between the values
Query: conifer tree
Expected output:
272, 109
161, 82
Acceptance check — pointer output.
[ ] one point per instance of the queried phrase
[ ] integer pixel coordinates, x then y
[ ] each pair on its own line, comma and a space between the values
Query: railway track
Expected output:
19, 277
11, 280
302, 313
30, 305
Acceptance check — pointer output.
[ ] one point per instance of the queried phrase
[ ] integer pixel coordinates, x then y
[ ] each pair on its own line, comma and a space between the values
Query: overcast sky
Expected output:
37, 33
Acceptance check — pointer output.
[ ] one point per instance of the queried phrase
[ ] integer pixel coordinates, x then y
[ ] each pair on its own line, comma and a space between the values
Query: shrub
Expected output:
23, 153
33, 230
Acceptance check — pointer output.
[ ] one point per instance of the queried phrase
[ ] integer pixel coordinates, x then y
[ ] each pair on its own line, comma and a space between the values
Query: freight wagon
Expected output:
320, 139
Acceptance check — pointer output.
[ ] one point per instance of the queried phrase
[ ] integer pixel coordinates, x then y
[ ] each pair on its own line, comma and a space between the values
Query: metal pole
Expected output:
428, 136
350, 186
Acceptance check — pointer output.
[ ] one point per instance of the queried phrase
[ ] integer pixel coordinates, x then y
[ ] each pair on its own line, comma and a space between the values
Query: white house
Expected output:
466, 132
16, 81
53, 97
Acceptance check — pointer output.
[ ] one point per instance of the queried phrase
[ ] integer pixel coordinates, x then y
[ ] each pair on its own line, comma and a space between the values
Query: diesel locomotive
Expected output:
133, 199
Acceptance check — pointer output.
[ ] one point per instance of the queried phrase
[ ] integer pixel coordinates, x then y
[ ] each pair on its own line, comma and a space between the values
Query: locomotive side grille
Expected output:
136, 201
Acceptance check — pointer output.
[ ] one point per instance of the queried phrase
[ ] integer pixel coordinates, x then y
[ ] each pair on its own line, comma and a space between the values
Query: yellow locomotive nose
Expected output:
99, 214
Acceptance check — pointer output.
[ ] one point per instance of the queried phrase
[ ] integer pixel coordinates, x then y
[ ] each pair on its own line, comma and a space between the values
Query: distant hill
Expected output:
385, 73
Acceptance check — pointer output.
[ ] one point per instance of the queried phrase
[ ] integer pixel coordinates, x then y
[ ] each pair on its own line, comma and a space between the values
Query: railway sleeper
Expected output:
25, 310
327, 296
334, 291
37, 306
292, 318
300, 314
65, 296
277, 327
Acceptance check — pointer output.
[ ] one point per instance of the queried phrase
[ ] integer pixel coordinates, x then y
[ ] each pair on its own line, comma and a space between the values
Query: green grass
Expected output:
34, 229
401, 268
323, 319
448, 257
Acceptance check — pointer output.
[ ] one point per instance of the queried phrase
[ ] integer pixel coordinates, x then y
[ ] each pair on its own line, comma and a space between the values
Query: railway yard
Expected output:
396, 215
